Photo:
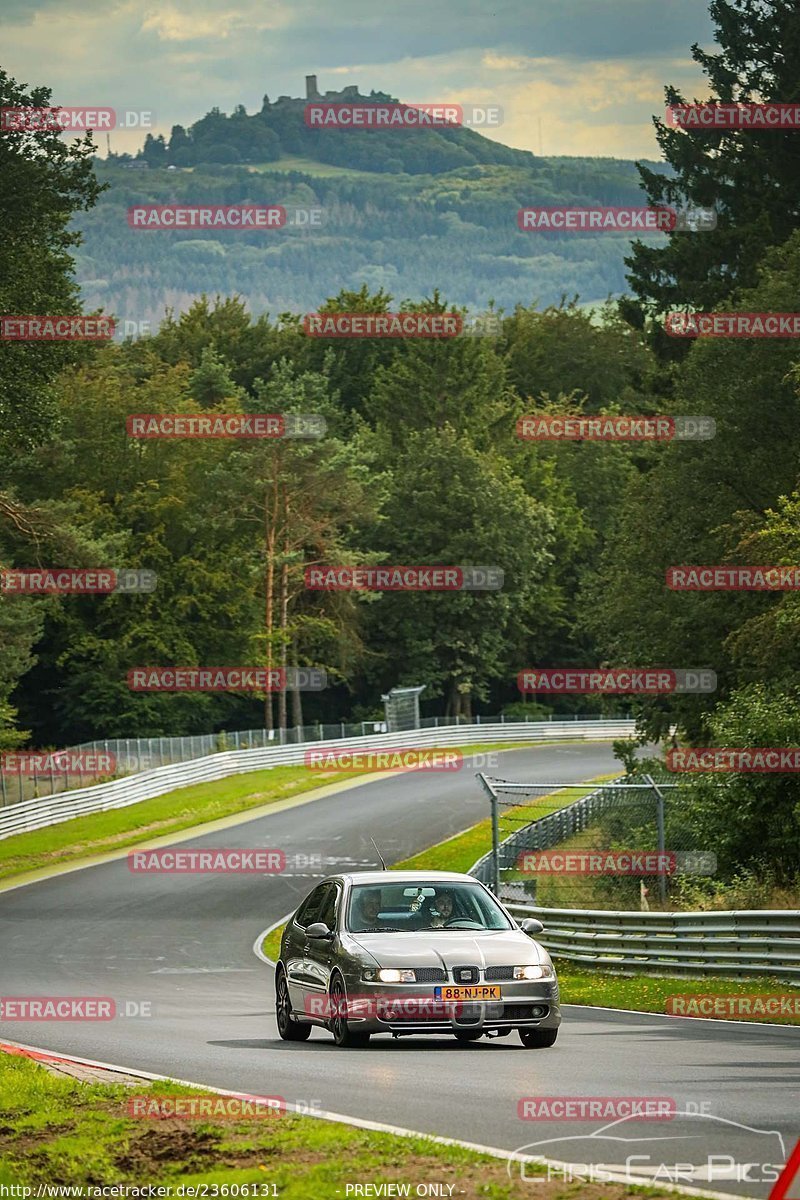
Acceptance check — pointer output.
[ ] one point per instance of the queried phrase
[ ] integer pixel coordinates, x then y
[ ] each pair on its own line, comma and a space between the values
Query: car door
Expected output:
295, 952
320, 954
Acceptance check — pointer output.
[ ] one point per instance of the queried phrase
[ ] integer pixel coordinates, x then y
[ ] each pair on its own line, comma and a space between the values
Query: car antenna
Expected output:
380, 856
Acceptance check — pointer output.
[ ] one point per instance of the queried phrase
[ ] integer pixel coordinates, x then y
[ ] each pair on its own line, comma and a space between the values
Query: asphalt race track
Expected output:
183, 945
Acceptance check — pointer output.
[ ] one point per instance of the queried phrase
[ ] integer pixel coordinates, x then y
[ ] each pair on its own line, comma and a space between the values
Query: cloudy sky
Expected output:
572, 76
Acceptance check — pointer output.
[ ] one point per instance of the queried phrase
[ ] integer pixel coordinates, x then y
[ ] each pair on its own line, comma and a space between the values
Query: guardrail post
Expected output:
662, 879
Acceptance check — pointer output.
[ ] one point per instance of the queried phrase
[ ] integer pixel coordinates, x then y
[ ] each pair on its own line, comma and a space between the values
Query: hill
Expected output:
403, 210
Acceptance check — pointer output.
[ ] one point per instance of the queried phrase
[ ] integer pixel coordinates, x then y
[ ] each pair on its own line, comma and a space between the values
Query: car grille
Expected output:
430, 974
498, 974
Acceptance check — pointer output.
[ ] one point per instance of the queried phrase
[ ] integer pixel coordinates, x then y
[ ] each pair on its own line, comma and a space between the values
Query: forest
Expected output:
420, 462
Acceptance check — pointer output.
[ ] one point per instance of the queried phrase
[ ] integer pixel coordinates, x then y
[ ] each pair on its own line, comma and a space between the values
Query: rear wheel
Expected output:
289, 1029
342, 1034
537, 1039
467, 1035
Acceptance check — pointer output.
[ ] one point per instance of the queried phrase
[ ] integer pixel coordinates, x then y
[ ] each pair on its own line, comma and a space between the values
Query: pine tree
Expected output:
751, 177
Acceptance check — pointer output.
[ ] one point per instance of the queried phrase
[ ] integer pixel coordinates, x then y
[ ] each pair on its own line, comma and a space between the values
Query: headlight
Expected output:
396, 975
535, 971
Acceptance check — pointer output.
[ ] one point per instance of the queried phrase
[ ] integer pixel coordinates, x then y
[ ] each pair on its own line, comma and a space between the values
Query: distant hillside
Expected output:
410, 231
280, 129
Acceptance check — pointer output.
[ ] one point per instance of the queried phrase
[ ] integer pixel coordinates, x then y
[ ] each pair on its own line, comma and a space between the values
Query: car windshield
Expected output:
409, 907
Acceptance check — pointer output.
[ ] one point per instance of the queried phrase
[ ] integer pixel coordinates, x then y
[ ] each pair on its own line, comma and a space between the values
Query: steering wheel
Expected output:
461, 923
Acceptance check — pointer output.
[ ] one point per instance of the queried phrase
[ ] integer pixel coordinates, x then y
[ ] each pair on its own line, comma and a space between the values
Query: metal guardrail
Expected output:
119, 793
133, 755
747, 942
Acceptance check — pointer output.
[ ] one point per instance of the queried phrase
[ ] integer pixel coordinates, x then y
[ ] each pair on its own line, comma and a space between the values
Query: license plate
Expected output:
479, 991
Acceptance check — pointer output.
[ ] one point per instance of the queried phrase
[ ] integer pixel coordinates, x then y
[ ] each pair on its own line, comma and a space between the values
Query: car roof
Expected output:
405, 877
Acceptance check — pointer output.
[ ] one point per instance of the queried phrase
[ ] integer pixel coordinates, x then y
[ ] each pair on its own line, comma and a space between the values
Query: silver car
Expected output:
410, 952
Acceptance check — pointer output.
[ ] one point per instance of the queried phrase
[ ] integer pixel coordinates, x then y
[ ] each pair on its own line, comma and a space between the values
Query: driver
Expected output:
442, 909
368, 908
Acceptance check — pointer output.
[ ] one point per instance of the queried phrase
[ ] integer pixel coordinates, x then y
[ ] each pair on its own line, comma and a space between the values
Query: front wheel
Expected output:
342, 1034
537, 1039
289, 1029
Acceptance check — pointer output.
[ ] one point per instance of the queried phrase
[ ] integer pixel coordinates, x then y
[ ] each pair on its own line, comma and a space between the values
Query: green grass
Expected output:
57, 1131
309, 166
100, 833
646, 993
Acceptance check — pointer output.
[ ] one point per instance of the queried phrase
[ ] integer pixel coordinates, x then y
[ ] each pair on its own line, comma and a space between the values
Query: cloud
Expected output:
188, 22
592, 70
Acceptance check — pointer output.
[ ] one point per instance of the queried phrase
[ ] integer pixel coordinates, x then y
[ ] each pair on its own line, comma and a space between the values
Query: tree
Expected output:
752, 820
453, 505
751, 178
44, 181
696, 502
154, 151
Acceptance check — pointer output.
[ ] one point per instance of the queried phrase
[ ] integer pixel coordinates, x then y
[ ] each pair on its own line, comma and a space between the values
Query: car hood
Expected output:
498, 948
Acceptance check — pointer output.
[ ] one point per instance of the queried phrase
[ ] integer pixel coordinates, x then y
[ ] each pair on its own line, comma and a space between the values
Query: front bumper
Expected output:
413, 1008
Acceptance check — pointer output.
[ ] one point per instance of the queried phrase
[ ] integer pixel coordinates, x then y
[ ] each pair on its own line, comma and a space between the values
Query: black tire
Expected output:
466, 1035
342, 1034
537, 1039
289, 1029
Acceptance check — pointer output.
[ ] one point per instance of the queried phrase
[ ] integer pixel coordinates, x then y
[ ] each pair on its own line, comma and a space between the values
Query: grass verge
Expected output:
100, 833
58, 1131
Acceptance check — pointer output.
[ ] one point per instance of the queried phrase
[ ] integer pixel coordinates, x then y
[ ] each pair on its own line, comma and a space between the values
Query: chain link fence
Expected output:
619, 845
64, 770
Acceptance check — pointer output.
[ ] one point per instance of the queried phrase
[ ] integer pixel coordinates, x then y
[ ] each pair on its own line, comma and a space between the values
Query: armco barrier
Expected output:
752, 942
50, 810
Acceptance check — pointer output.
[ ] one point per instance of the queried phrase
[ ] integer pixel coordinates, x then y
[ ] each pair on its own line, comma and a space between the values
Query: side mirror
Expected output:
318, 929
531, 926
